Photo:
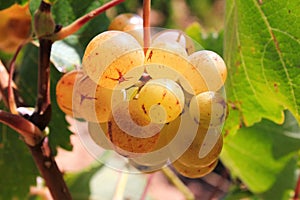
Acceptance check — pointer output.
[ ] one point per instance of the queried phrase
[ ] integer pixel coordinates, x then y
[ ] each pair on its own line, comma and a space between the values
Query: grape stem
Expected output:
177, 183
146, 189
76, 25
146, 24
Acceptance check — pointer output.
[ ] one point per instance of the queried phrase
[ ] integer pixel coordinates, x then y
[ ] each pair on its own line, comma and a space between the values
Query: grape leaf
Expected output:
264, 156
17, 167
7, 3
261, 49
210, 41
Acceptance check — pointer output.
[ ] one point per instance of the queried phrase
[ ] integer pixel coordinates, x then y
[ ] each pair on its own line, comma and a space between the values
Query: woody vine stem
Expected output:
32, 128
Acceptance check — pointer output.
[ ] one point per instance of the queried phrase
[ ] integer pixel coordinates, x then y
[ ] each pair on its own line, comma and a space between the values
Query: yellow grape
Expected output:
208, 109
110, 56
162, 70
123, 21
64, 92
129, 130
161, 100
92, 101
15, 25
190, 78
193, 172
159, 156
193, 152
98, 132
212, 68
175, 37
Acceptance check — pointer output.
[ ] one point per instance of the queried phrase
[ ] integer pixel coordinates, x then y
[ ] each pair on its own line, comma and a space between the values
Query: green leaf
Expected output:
261, 49
17, 168
27, 82
67, 11
210, 41
8, 3
264, 156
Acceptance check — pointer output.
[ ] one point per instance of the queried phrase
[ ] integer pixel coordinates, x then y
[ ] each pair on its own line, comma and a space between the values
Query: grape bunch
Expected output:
164, 104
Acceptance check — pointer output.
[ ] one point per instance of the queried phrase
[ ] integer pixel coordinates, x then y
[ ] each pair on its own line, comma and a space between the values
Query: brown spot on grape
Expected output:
109, 130
164, 94
84, 97
150, 55
144, 109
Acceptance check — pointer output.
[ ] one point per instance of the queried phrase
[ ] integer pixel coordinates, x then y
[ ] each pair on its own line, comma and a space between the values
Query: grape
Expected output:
212, 143
92, 101
64, 92
98, 132
161, 70
212, 68
159, 156
161, 100
193, 152
122, 21
15, 25
175, 37
193, 172
208, 109
161, 59
110, 55
130, 131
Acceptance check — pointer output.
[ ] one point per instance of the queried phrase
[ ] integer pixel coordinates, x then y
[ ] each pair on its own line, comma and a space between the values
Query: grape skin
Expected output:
110, 55
175, 36
211, 67
125, 143
64, 92
161, 100
188, 75
92, 101
122, 21
191, 155
208, 109
193, 172
97, 132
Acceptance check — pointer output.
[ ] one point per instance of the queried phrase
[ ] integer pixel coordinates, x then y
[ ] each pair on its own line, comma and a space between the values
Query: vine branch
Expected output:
50, 171
76, 25
30, 133
10, 92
